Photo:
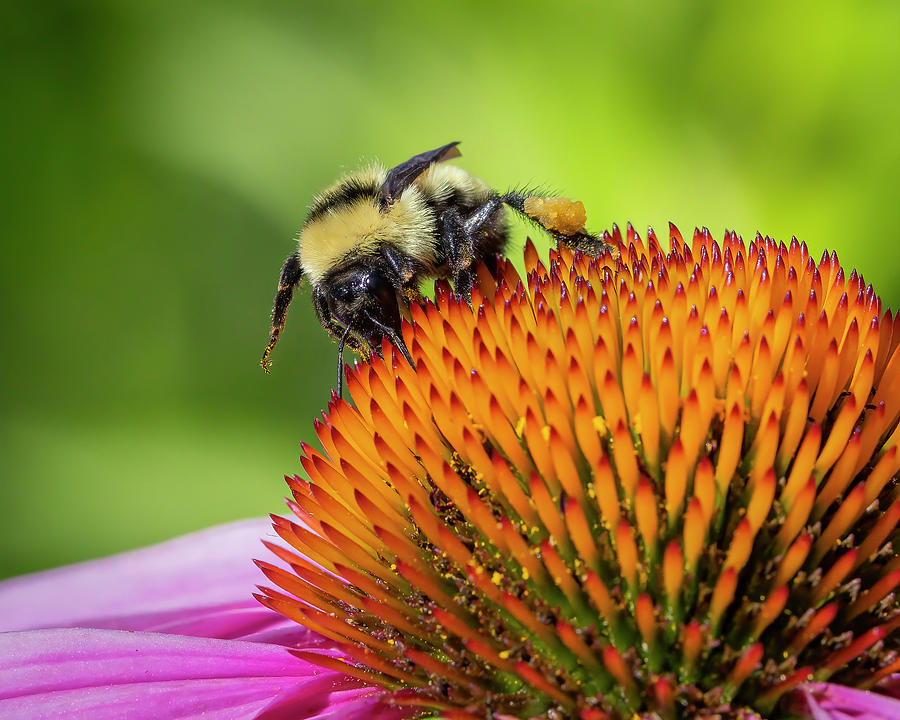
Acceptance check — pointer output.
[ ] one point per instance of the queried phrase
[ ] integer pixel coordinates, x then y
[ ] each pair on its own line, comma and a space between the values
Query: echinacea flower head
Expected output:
646, 484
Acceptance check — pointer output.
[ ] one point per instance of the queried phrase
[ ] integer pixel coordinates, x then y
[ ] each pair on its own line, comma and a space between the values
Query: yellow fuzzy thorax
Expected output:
359, 228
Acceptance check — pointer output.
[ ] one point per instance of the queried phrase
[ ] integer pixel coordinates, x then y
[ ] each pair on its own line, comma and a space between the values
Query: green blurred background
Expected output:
158, 158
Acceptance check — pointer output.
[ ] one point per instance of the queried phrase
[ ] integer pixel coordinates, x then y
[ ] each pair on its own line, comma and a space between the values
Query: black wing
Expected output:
405, 174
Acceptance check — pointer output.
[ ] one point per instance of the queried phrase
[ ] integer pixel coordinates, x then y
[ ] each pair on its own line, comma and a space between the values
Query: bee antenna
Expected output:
340, 368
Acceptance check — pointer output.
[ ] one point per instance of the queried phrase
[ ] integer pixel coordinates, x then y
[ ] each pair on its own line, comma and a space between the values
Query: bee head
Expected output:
364, 299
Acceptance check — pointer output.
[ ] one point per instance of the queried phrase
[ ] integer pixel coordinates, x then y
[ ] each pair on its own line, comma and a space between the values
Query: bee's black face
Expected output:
365, 300
360, 306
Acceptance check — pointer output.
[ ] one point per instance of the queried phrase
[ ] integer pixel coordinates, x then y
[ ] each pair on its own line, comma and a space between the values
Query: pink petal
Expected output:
198, 584
115, 674
813, 709
830, 701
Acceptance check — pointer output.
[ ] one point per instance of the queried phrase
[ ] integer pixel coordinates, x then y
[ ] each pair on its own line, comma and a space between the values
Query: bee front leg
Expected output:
291, 274
407, 273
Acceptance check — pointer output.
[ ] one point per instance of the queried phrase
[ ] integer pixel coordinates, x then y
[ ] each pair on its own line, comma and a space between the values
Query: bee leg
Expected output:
460, 250
582, 240
407, 273
402, 265
459, 236
291, 274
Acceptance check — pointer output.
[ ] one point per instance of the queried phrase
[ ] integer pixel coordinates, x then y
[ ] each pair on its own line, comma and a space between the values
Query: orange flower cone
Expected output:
649, 484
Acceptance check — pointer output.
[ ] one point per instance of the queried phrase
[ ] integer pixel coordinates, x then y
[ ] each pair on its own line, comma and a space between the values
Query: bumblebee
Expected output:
370, 240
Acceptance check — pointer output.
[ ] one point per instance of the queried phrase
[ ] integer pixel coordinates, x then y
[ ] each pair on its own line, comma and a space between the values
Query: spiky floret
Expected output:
651, 483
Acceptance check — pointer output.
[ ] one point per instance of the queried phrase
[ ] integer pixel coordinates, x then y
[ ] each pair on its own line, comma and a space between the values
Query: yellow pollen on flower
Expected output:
633, 485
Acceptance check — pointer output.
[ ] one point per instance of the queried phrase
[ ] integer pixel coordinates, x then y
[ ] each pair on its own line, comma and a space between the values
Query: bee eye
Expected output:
375, 280
380, 288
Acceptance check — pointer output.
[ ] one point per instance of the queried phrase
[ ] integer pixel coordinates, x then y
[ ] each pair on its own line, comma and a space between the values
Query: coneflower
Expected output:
648, 484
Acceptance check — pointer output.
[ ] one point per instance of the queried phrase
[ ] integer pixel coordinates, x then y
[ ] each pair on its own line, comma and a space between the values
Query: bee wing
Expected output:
405, 174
